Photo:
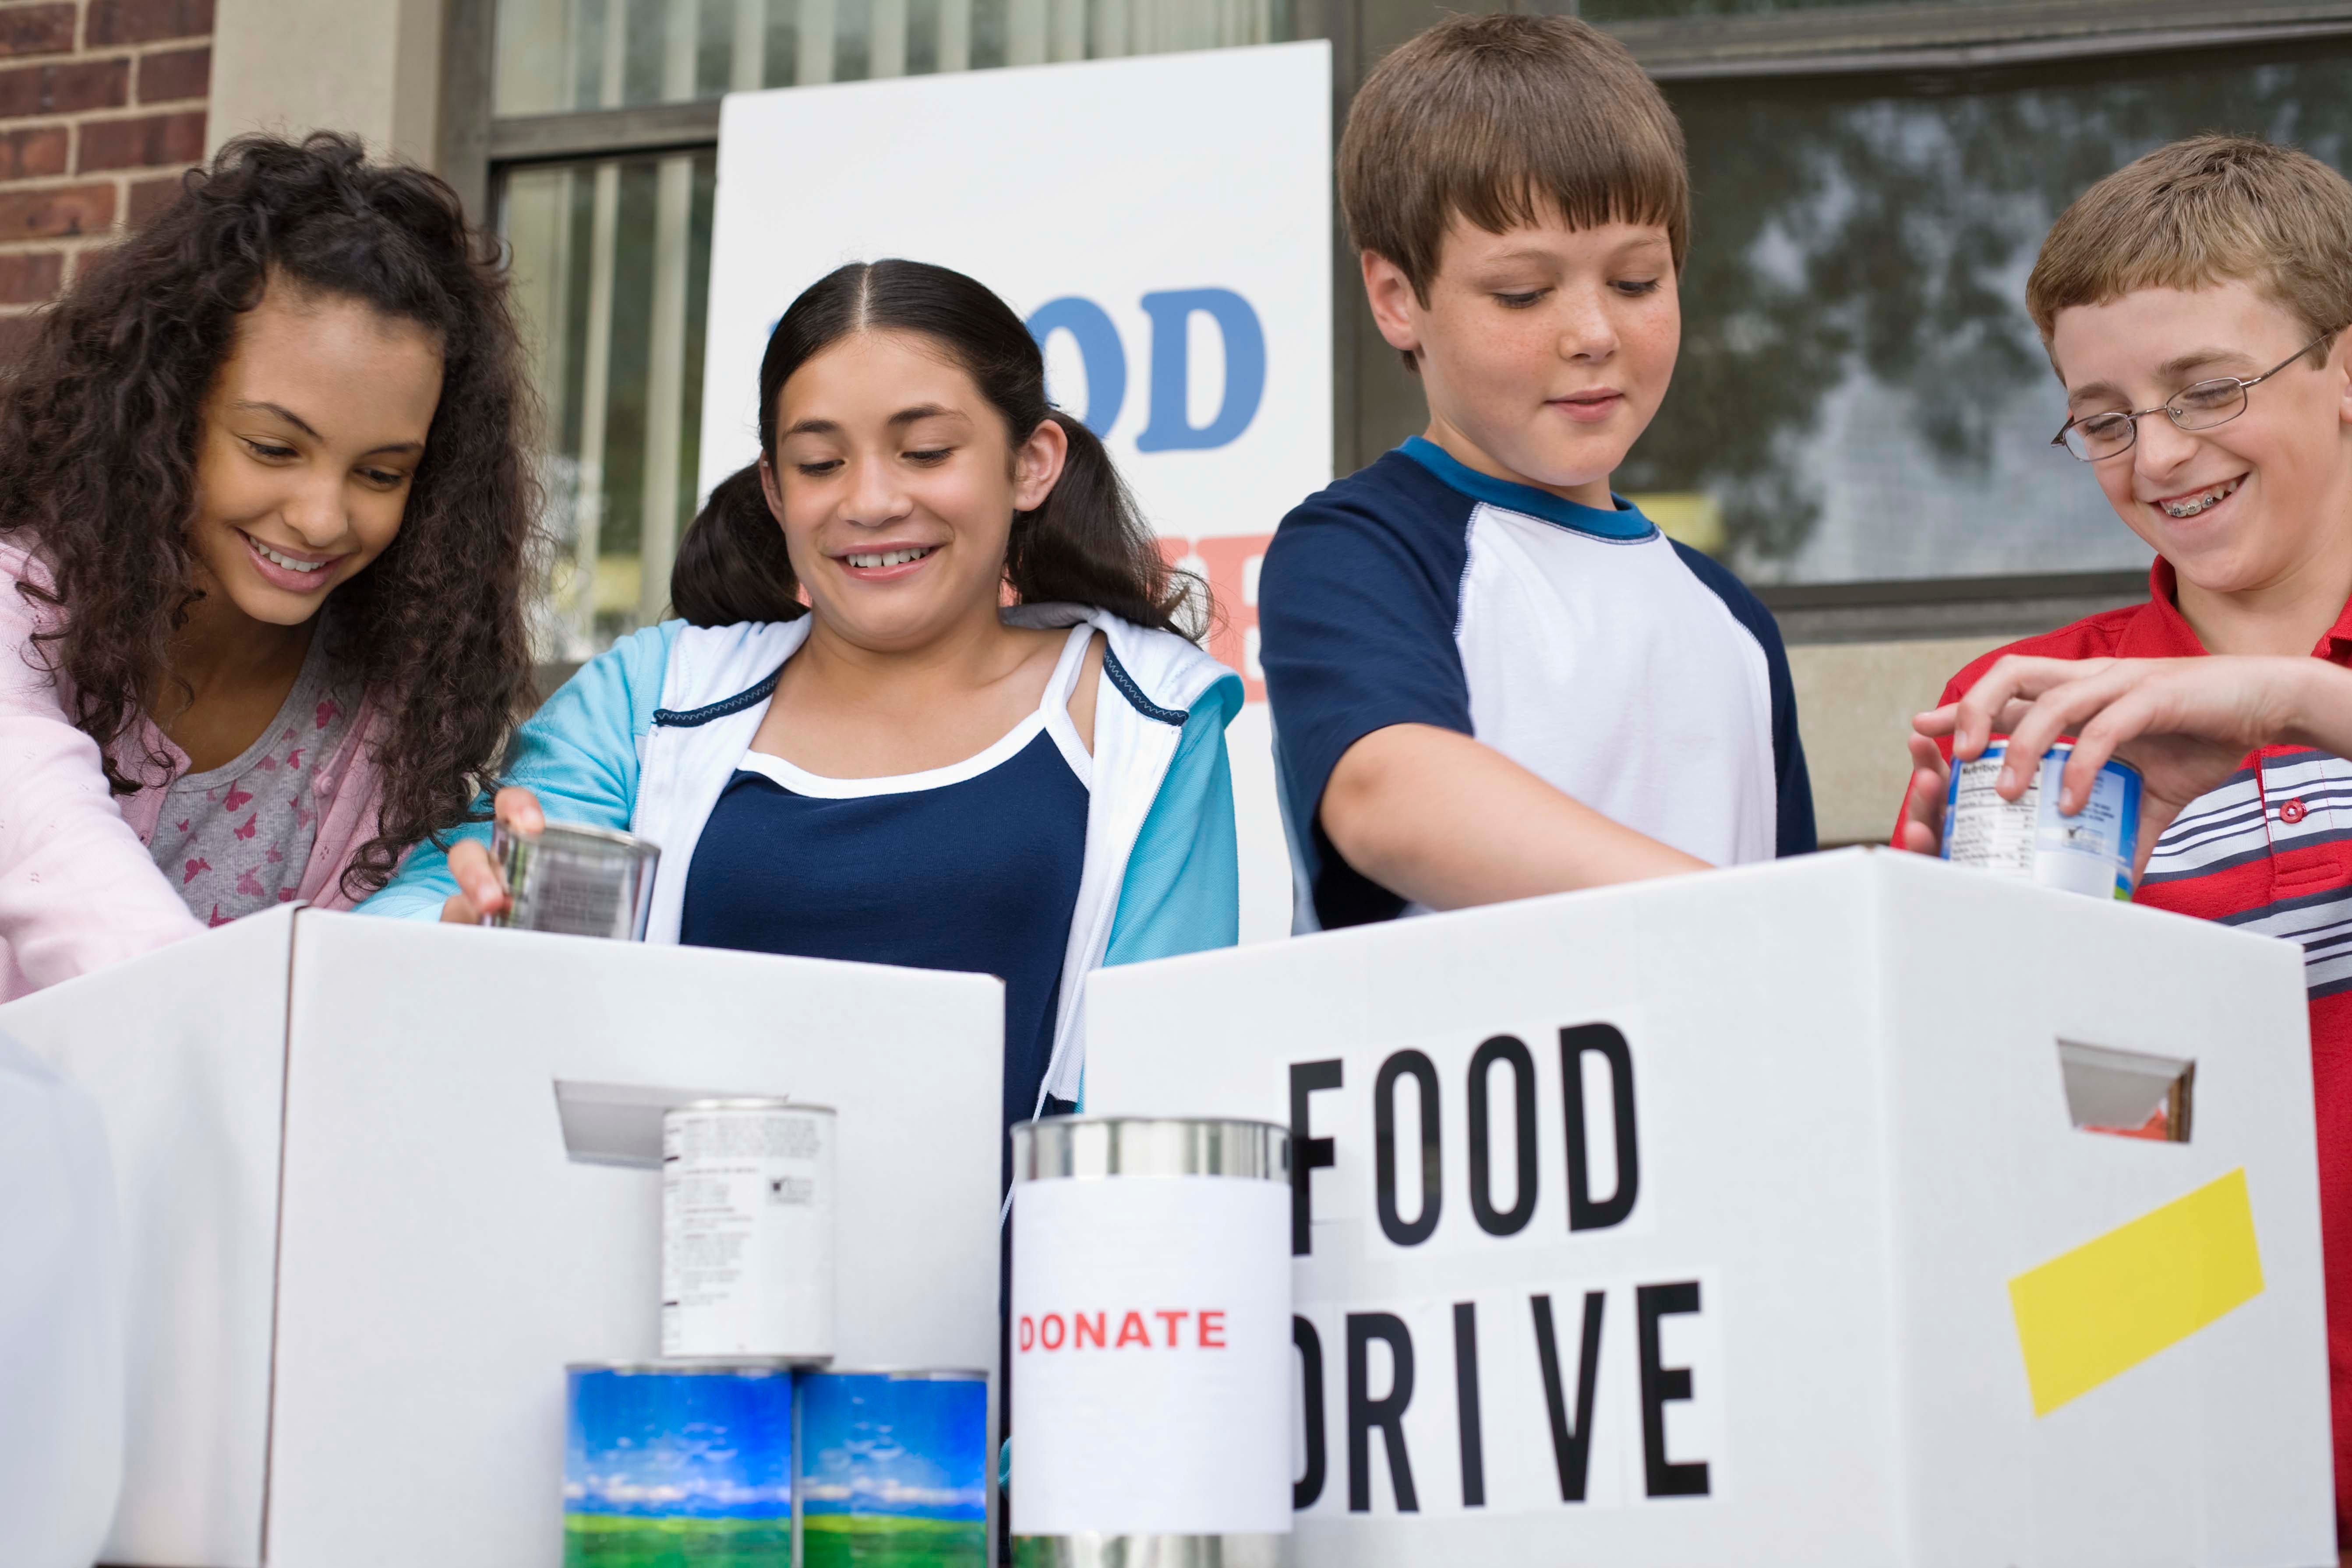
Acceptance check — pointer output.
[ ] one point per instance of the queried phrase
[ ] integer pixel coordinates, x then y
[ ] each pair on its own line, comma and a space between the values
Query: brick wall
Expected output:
102, 107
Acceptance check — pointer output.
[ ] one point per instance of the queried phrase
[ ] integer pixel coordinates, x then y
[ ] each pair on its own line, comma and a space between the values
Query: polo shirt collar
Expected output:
1624, 523
2161, 631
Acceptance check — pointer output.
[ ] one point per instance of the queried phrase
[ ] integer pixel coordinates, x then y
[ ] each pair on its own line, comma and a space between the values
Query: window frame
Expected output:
1960, 35
1940, 37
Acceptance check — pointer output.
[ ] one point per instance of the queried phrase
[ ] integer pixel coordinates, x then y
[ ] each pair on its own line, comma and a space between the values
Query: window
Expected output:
1858, 419
1860, 396
613, 265
566, 55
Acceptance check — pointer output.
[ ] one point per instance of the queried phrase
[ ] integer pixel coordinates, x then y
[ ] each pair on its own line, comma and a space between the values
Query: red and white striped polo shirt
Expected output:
2269, 851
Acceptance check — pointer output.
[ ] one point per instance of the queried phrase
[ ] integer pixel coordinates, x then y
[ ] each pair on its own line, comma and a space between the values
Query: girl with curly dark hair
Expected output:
266, 514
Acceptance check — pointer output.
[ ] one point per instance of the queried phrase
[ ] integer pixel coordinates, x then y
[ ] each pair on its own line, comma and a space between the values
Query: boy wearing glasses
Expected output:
2193, 305
1491, 677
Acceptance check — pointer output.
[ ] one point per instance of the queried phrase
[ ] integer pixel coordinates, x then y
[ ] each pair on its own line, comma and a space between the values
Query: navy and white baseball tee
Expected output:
1632, 673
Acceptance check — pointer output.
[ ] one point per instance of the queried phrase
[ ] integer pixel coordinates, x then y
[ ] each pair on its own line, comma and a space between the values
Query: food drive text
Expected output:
1466, 1337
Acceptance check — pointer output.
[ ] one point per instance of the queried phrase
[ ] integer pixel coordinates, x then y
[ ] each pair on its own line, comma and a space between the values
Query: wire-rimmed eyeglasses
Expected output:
2095, 437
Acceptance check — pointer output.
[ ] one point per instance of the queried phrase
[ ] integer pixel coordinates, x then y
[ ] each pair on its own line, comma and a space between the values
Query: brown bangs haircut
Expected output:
2208, 210
1508, 119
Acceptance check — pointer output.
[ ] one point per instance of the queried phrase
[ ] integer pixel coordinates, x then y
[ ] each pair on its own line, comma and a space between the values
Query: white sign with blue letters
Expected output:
1164, 226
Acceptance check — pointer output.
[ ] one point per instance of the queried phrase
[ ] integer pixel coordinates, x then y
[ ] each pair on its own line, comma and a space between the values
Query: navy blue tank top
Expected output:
971, 866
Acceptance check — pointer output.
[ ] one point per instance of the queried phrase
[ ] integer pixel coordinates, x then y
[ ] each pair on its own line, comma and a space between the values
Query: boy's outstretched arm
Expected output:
1436, 817
2185, 723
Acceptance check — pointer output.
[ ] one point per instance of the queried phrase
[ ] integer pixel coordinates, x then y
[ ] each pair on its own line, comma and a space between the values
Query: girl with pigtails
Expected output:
928, 703
265, 515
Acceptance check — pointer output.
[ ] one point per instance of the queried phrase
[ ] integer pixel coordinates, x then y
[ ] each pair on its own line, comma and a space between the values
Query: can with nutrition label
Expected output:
574, 880
2089, 852
748, 1208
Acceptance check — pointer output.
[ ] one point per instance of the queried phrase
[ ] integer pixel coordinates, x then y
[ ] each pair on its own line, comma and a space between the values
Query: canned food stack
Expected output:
734, 1451
1151, 1355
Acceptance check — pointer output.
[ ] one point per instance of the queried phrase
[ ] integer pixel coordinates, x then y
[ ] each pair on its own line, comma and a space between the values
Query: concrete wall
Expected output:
372, 67
1854, 702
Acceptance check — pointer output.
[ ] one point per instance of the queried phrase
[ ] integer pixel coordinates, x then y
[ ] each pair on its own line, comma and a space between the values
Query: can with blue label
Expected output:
893, 1469
2089, 852
675, 1465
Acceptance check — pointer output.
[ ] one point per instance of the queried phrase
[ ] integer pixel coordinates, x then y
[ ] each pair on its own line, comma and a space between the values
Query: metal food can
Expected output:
672, 1463
2089, 852
893, 1468
748, 1207
1151, 1362
574, 880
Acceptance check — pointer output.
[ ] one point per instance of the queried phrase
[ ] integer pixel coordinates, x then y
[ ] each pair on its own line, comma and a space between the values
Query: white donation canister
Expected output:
748, 1206
1151, 1368
2089, 852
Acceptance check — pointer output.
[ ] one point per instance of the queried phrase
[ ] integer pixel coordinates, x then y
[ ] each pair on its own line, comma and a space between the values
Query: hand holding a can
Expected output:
481, 891
2186, 724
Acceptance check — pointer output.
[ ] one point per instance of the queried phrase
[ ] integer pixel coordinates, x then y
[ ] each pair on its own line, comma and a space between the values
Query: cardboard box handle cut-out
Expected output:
2127, 1094
621, 1123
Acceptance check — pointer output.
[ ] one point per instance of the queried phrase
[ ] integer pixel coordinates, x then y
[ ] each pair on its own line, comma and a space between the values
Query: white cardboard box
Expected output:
439, 1255
1852, 1135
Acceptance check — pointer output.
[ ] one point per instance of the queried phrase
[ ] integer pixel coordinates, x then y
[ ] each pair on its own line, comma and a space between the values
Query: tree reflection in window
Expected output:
1860, 388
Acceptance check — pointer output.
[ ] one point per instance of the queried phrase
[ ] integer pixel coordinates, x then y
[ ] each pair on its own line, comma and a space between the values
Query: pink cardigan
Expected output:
78, 890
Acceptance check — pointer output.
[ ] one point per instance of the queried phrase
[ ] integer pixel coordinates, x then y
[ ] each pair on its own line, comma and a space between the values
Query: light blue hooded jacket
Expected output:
645, 737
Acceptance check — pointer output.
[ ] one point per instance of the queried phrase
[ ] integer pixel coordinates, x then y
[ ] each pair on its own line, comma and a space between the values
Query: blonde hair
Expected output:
1499, 118
2208, 210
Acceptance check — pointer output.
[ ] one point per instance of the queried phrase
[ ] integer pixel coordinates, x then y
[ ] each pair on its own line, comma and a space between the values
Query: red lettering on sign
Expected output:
1228, 561
1053, 1331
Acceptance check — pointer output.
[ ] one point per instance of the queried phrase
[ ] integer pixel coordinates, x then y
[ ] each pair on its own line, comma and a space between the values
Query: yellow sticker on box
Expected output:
2110, 1304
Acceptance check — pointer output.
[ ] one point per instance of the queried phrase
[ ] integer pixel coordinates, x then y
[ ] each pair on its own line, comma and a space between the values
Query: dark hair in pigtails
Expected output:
1086, 545
731, 566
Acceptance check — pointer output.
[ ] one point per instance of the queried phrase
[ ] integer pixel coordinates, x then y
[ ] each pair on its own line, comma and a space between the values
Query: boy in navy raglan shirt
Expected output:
1490, 677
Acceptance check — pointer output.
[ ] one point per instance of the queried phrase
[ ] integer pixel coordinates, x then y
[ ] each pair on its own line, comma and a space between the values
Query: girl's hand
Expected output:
480, 890
2185, 723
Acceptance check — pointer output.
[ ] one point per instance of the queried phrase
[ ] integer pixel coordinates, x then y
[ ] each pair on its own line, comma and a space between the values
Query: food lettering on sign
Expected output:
1548, 1391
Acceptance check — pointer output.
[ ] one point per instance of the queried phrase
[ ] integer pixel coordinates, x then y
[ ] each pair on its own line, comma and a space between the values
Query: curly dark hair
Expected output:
99, 421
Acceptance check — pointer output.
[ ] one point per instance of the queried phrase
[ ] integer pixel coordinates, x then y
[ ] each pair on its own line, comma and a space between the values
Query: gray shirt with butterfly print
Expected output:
234, 839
